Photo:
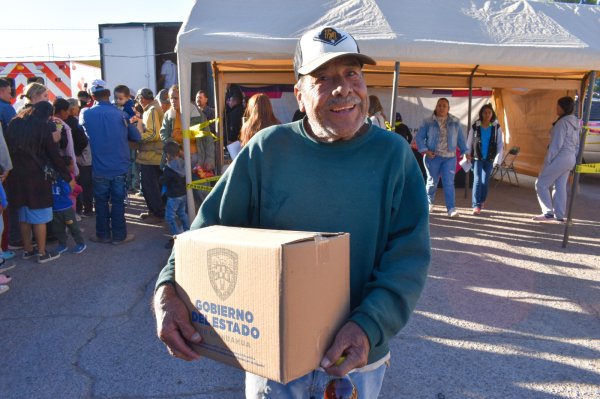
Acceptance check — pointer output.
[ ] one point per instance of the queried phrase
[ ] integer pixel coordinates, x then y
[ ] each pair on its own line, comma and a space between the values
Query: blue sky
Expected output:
41, 29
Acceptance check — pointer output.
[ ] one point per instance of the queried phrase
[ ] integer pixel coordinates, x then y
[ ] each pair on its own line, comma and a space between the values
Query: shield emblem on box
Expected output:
222, 271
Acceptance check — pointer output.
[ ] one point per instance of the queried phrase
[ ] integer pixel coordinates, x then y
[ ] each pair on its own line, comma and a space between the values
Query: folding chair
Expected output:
507, 166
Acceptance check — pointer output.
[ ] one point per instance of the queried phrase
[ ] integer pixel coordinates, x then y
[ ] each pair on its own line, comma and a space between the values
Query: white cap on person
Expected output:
319, 46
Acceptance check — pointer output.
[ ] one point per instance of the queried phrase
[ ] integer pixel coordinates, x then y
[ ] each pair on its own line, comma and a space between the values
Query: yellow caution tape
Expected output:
201, 184
198, 131
588, 168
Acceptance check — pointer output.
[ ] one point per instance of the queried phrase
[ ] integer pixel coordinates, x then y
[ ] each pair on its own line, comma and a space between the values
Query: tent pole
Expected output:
218, 125
394, 94
467, 176
575, 186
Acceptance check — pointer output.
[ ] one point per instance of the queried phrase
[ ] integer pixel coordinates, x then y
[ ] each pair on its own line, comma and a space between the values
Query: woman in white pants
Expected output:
560, 160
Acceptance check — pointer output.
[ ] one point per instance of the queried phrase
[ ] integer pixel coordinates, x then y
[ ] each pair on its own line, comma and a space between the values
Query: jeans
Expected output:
176, 207
152, 189
110, 221
312, 385
481, 180
446, 169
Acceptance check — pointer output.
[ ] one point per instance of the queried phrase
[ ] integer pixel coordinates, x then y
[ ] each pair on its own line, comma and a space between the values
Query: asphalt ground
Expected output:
506, 313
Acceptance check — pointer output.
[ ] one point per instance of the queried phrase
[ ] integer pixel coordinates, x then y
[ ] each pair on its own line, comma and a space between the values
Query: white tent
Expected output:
505, 45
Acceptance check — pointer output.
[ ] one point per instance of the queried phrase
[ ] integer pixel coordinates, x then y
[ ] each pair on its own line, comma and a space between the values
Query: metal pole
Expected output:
586, 118
394, 94
467, 176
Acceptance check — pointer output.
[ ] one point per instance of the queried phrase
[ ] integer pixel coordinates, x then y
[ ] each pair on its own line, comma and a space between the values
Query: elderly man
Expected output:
109, 133
150, 154
331, 171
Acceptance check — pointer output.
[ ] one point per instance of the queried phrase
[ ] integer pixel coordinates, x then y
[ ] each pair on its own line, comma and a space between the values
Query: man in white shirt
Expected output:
168, 74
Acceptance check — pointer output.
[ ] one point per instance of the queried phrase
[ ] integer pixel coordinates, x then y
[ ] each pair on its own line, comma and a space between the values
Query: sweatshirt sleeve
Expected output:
500, 146
399, 277
556, 141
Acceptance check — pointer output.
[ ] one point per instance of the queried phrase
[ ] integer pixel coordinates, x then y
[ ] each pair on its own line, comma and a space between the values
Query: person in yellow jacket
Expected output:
150, 154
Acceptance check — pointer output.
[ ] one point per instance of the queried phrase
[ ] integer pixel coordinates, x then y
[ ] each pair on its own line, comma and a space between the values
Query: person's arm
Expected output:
166, 129
556, 141
152, 124
397, 280
133, 132
460, 139
499, 146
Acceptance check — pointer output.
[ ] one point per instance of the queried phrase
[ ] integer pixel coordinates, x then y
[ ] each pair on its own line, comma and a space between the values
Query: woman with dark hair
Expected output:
258, 115
376, 114
485, 148
558, 163
437, 139
32, 141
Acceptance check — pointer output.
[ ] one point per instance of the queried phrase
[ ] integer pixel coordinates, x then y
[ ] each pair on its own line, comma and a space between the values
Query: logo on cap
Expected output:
330, 36
222, 271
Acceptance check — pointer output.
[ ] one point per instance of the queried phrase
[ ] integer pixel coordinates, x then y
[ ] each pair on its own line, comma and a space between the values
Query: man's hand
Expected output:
351, 342
173, 325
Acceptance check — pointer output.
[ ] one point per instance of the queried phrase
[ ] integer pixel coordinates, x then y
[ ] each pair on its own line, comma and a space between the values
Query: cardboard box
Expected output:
269, 302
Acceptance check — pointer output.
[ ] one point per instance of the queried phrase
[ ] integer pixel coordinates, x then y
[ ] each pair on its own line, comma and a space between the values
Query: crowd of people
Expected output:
76, 158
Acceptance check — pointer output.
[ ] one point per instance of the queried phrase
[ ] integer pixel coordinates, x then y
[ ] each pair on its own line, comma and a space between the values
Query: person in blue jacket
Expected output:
437, 139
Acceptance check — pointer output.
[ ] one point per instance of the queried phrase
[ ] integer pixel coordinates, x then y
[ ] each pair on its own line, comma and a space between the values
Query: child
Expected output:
64, 215
173, 178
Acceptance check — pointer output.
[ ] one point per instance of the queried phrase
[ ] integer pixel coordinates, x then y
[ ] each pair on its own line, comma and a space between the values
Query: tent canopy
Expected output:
510, 44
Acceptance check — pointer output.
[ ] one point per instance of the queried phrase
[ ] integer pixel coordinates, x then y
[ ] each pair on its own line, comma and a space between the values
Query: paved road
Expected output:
506, 313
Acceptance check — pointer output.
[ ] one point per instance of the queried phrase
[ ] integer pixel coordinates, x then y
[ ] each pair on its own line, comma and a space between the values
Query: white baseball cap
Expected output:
319, 46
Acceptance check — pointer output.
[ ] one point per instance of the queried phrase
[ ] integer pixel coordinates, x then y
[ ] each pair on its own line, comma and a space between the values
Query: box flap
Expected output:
254, 237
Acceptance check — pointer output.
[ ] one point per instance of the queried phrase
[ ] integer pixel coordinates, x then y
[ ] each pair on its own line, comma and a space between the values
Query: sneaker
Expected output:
453, 213
61, 248
4, 288
7, 255
77, 217
29, 254
95, 238
79, 248
6, 266
430, 208
544, 218
47, 257
15, 246
130, 237
4, 279
476, 210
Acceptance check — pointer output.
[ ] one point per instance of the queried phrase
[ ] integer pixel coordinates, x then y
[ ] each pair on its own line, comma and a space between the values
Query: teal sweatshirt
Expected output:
370, 186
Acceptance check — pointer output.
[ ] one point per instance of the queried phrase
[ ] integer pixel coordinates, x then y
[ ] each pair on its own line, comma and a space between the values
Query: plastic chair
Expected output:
507, 166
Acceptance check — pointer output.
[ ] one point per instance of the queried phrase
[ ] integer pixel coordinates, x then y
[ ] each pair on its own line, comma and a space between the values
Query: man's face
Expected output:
174, 99
335, 99
201, 100
120, 99
5, 94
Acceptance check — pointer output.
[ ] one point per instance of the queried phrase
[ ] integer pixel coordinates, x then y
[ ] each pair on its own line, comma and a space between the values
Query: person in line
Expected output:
125, 103
485, 145
4, 265
63, 214
61, 113
202, 149
150, 155
207, 110
402, 129
173, 178
437, 139
163, 99
32, 140
303, 176
234, 113
558, 163
258, 115
7, 112
376, 114
110, 133
85, 202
